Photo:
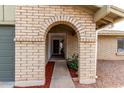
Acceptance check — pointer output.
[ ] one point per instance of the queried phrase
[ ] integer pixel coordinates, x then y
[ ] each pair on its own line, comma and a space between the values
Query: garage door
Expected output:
7, 53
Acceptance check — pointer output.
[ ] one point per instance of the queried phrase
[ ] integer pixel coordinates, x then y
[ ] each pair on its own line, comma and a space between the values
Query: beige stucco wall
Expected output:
107, 48
7, 13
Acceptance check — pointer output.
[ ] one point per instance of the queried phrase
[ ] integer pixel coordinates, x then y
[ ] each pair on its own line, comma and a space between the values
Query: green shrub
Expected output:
73, 62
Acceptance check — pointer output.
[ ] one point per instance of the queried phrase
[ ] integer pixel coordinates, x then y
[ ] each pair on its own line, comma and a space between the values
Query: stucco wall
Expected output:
7, 13
107, 48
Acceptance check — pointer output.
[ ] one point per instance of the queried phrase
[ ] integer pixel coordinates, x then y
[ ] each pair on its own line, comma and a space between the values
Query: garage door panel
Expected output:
6, 38
7, 33
6, 79
7, 53
6, 46
7, 29
6, 76
6, 67
6, 60
6, 41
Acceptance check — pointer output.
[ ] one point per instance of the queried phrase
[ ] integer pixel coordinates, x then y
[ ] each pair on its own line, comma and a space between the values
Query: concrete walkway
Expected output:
61, 77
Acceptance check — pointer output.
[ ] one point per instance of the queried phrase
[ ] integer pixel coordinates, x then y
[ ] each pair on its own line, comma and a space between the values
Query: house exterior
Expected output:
110, 45
37, 32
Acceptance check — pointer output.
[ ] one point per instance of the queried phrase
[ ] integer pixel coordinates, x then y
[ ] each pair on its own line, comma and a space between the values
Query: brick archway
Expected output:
32, 27
62, 19
83, 42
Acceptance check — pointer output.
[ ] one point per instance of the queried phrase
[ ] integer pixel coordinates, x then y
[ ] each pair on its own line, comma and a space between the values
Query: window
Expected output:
120, 45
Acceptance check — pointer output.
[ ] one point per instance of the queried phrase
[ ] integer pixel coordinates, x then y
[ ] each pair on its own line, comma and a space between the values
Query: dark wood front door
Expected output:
55, 47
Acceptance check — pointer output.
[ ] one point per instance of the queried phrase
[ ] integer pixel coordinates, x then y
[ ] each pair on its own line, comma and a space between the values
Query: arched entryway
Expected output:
35, 47
61, 42
86, 45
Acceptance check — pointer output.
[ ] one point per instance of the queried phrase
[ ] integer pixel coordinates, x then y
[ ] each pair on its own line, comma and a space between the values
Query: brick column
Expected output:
87, 63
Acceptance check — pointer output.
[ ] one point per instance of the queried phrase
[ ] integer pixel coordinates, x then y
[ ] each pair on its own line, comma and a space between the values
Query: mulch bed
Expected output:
76, 81
49, 72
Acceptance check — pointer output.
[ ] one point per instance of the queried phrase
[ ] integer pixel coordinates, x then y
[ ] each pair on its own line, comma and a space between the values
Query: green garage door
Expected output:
7, 53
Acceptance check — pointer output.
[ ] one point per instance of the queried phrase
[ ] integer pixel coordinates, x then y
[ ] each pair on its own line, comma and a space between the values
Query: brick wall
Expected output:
32, 26
72, 45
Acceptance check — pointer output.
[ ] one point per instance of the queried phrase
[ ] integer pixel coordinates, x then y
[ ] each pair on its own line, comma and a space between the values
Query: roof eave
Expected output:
104, 11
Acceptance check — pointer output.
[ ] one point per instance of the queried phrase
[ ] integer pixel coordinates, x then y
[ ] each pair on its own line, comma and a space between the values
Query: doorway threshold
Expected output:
57, 59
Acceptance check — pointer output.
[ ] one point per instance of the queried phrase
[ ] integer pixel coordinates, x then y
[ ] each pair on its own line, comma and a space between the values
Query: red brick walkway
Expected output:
49, 72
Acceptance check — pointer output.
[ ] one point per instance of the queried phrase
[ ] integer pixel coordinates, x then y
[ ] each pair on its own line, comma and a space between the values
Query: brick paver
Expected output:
110, 74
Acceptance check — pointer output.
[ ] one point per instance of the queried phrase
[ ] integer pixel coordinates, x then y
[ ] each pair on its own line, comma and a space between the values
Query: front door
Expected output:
56, 47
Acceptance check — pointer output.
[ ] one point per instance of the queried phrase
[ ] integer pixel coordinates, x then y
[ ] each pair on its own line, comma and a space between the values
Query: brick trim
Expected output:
61, 19
88, 40
55, 20
52, 21
29, 39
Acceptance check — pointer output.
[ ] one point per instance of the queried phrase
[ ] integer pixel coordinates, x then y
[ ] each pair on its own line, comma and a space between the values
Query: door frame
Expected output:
51, 37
